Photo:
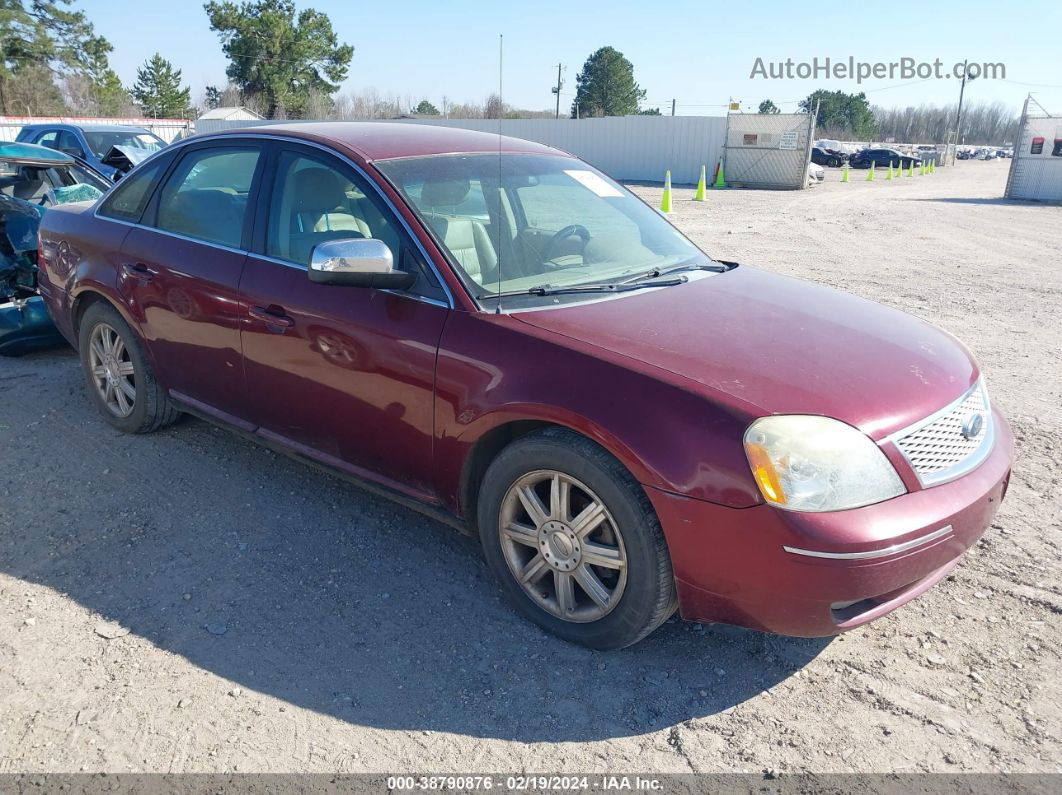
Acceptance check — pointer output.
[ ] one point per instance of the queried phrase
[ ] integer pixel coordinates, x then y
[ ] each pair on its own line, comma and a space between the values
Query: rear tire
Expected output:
118, 375
590, 549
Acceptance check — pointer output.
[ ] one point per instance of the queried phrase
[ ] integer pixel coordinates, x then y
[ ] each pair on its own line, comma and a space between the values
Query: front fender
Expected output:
494, 370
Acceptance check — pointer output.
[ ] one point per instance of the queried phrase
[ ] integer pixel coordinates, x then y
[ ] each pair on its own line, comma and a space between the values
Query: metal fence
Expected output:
633, 148
1036, 170
769, 150
166, 129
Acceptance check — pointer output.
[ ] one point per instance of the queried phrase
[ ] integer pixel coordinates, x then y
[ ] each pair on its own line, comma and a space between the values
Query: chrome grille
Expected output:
938, 450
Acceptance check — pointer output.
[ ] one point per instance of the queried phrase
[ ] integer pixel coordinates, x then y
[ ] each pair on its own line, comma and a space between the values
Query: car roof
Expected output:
33, 154
87, 127
388, 140
112, 128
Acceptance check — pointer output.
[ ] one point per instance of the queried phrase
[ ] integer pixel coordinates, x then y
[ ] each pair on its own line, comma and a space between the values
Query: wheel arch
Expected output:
495, 436
93, 294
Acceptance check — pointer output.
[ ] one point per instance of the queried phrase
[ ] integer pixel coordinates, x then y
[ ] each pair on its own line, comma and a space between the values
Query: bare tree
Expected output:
985, 123
494, 108
318, 105
77, 95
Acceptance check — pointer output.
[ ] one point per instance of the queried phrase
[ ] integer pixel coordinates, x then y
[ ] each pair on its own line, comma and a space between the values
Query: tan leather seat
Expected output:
319, 212
466, 238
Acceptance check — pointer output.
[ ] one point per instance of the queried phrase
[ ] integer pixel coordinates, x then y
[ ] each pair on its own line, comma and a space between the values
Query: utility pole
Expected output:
958, 113
672, 107
557, 89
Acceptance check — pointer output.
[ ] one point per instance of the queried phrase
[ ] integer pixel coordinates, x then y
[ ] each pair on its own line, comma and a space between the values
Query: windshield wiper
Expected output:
612, 287
656, 272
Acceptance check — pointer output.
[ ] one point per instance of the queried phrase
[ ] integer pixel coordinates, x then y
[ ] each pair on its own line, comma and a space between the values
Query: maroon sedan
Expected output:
499, 334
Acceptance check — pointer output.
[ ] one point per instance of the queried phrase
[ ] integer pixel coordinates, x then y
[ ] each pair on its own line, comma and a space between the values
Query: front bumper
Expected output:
732, 566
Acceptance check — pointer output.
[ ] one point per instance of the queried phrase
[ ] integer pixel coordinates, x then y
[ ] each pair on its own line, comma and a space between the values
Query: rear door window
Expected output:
68, 143
206, 195
49, 138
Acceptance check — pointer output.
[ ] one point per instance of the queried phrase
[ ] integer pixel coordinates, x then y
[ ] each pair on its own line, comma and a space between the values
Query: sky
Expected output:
700, 54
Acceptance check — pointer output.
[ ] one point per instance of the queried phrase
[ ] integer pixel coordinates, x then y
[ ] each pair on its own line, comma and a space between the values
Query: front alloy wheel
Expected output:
574, 541
563, 546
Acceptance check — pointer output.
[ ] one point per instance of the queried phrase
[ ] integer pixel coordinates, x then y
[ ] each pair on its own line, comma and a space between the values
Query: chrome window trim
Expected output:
178, 235
968, 464
873, 553
449, 304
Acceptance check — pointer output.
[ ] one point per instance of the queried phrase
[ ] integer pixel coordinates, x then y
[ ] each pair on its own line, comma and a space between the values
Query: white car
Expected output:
815, 173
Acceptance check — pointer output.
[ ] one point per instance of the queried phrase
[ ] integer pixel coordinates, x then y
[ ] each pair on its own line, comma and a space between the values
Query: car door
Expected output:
180, 271
344, 374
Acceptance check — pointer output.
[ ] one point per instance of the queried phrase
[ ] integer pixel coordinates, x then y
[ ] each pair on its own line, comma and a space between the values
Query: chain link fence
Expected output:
768, 150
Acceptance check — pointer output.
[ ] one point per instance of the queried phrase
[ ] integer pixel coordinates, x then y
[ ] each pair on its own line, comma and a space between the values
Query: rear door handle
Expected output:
139, 271
273, 315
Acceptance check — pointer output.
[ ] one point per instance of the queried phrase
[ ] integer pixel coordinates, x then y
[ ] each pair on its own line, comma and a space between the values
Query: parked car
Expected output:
816, 174
93, 143
827, 157
882, 157
32, 179
627, 424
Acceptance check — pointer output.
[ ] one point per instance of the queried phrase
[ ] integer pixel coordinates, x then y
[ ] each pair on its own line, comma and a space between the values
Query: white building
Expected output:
238, 113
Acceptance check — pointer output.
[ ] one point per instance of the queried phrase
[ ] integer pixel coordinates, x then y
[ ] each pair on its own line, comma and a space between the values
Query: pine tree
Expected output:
111, 96
41, 40
280, 55
158, 90
606, 87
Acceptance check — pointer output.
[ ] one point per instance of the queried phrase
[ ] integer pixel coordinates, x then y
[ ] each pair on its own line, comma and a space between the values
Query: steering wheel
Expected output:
572, 230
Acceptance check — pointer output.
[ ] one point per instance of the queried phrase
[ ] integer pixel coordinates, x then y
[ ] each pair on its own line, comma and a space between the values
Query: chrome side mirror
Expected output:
357, 262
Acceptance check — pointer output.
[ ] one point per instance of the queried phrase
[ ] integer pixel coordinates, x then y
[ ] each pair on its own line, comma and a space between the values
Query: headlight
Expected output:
809, 463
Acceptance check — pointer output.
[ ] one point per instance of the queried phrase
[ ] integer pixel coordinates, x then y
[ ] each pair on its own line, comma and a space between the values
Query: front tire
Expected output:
574, 541
118, 376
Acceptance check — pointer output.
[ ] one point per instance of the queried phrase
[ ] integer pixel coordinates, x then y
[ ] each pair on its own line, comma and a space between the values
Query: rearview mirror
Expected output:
357, 262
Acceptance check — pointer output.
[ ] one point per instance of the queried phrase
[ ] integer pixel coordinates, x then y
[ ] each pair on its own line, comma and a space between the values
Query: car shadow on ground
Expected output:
295, 584
985, 201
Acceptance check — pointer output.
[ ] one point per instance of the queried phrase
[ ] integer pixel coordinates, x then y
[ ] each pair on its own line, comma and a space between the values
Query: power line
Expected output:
1034, 85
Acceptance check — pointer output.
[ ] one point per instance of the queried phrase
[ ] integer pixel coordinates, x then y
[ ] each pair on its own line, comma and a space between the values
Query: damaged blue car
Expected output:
32, 179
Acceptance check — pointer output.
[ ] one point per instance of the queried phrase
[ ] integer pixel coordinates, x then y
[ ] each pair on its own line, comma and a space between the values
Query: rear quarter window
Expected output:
128, 199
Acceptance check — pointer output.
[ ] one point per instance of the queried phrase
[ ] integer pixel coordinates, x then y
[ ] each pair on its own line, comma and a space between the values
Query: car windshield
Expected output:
518, 222
101, 142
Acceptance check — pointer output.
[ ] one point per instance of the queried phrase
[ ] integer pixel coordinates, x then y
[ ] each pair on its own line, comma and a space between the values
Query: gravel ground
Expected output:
188, 601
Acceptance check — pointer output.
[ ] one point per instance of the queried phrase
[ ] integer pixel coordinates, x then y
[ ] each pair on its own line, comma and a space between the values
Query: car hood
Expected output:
768, 344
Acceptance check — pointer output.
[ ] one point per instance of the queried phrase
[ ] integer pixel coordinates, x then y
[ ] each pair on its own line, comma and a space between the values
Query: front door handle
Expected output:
139, 271
273, 315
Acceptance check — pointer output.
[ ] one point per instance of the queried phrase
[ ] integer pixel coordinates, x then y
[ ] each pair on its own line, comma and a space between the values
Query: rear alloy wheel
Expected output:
574, 540
112, 370
118, 374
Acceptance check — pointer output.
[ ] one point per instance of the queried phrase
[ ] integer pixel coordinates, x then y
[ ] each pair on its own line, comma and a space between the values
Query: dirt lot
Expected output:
190, 602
